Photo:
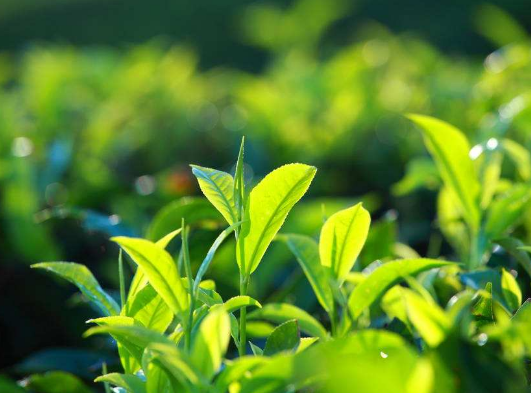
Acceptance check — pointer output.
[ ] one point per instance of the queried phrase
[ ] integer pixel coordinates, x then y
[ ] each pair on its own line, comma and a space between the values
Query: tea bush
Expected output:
400, 323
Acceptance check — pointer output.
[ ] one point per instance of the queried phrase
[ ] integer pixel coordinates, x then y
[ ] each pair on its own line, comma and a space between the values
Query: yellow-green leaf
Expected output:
268, 206
342, 238
450, 150
218, 187
511, 291
160, 269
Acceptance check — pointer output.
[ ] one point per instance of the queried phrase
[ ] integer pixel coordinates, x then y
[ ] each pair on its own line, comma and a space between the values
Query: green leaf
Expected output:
306, 342
218, 187
451, 223
427, 317
450, 150
237, 370
80, 276
520, 156
482, 310
257, 351
342, 238
140, 280
237, 302
507, 210
134, 338
239, 182
516, 248
56, 382
149, 309
384, 277
285, 337
174, 362
8, 386
131, 383
268, 206
160, 269
283, 312
306, 252
211, 342
511, 291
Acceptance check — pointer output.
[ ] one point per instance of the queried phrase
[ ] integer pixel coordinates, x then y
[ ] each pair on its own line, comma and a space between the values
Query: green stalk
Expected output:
188, 269
244, 283
104, 372
333, 319
121, 277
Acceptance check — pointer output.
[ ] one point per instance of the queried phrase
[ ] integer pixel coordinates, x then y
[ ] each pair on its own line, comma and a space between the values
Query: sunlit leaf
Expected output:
80, 276
131, 383
149, 308
211, 341
269, 204
511, 291
342, 238
282, 312
450, 150
383, 278
160, 269
237, 302
516, 248
218, 187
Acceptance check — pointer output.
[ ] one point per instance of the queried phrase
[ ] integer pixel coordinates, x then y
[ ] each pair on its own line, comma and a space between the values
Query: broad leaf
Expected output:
131, 383
342, 238
306, 252
268, 206
285, 337
483, 310
211, 342
80, 276
450, 150
383, 278
236, 370
282, 312
520, 156
160, 269
218, 187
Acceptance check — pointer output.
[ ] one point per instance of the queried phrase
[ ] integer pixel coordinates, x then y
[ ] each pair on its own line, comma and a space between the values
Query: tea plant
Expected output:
410, 324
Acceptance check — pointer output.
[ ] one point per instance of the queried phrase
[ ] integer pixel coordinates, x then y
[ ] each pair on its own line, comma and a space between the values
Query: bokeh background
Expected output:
104, 103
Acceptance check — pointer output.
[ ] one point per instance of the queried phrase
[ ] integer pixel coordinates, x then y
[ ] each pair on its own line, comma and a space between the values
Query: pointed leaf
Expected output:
384, 277
80, 276
342, 238
306, 252
283, 312
56, 382
285, 337
516, 248
131, 383
269, 204
450, 150
218, 187
160, 269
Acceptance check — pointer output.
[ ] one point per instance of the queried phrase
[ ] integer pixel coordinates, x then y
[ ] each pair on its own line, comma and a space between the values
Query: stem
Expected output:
188, 268
244, 283
121, 277
104, 372
333, 319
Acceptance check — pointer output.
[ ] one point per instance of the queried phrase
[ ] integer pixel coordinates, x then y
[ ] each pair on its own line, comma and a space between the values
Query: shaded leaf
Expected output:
285, 337
131, 383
